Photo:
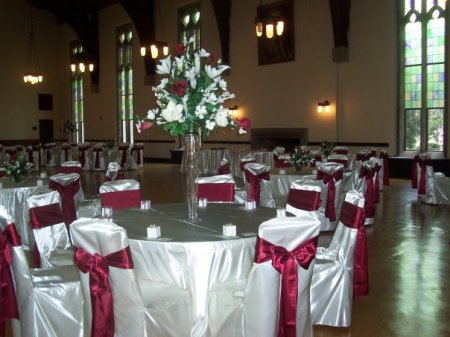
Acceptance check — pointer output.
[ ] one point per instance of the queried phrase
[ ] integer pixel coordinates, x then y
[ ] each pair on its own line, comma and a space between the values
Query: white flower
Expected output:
151, 114
200, 111
242, 131
162, 84
222, 117
204, 53
163, 68
173, 112
210, 125
214, 72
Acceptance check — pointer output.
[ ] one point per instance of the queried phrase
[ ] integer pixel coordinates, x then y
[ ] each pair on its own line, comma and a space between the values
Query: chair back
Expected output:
120, 194
69, 188
218, 188
259, 189
71, 167
137, 156
303, 197
113, 303
267, 306
367, 185
49, 230
339, 158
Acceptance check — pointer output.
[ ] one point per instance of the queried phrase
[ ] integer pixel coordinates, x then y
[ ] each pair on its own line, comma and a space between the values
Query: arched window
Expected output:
423, 60
77, 93
124, 45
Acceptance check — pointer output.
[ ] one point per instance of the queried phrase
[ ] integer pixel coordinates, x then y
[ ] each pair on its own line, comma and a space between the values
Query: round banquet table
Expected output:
193, 255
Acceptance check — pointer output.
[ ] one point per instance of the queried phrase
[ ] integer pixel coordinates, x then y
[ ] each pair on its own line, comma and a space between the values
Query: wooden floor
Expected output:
409, 258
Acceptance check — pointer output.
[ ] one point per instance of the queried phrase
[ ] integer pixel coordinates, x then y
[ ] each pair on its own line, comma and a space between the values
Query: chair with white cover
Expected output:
66, 152
98, 157
330, 177
437, 188
303, 197
113, 304
259, 188
69, 188
218, 188
120, 194
71, 167
137, 156
284, 256
83, 156
51, 154
384, 161
421, 164
124, 155
52, 242
340, 270
338, 158
366, 184
48, 302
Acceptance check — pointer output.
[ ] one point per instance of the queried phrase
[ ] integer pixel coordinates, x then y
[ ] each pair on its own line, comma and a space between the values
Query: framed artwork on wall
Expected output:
279, 48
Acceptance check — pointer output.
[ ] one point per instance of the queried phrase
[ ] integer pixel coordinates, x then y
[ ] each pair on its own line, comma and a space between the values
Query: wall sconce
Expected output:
233, 111
323, 106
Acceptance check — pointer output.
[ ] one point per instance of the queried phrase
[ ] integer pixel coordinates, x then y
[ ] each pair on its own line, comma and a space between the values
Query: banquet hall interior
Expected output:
348, 72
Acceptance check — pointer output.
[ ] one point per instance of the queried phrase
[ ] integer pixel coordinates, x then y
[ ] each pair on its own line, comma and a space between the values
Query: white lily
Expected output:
173, 112
210, 125
203, 53
214, 72
151, 114
163, 68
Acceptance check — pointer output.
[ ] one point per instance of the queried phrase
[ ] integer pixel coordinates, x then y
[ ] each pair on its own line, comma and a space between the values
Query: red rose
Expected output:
211, 58
181, 48
179, 87
244, 123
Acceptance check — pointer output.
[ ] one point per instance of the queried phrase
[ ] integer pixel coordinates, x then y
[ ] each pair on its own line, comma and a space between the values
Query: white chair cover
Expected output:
366, 183
332, 174
260, 184
112, 193
304, 197
49, 230
218, 188
332, 280
69, 188
83, 156
437, 188
66, 152
98, 157
278, 151
49, 301
123, 156
262, 293
51, 154
338, 158
137, 156
104, 238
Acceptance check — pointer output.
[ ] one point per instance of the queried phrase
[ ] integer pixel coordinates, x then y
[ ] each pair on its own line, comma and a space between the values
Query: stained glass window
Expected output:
189, 24
125, 83
77, 94
423, 86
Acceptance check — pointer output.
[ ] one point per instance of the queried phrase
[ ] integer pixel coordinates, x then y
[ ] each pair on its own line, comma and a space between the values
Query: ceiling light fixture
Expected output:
32, 73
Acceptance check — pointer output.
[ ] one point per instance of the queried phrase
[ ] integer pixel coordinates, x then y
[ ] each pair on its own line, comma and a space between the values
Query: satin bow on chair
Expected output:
97, 151
353, 217
285, 262
8, 302
83, 150
67, 193
304, 199
254, 193
385, 158
328, 179
138, 149
370, 197
101, 295
124, 149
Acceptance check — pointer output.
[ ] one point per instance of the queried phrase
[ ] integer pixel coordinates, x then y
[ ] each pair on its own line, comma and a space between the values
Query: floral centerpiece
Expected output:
19, 169
326, 148
190, 100
302, 158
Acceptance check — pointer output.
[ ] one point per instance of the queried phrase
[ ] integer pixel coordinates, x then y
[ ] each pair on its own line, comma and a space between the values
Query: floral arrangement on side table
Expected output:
191, 94
326, 148
19, 169
301, 158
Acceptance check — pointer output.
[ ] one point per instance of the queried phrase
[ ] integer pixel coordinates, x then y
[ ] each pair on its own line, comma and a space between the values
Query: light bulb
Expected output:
259, 29
82, 67
165, 50
143, 51
153, 51
269, 30
280, 27
91, 67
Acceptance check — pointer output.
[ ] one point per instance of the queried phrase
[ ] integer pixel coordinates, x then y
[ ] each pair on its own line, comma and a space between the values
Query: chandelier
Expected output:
32, 73
157, 48
268, 21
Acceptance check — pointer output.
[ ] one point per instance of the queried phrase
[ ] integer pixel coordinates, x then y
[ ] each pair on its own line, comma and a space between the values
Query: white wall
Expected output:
362, 92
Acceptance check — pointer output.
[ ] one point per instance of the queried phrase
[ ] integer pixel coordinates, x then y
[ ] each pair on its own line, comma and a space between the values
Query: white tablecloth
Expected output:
193, 255
14, 196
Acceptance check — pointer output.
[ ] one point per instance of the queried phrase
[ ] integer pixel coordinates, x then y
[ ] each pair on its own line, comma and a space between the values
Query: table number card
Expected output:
153, 232
229, 230
39, 182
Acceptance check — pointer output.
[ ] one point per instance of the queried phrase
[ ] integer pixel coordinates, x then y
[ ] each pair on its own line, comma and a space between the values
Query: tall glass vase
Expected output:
191, 154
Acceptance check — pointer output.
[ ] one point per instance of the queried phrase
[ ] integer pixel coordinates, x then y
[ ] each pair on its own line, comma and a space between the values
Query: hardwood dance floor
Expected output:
409, 258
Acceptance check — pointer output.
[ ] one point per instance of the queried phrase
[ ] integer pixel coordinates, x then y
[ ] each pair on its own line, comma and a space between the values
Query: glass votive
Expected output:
314, 171
146, 204
202, 202
107, 213
281, 171
229, 230
39, 182
153, 232
43, 175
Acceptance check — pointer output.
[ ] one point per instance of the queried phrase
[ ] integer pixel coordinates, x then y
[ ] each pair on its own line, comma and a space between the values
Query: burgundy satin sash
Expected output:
385, 157
101, 294
362, 157
121, 199
254, 193
67, 194
71, 169
123, 148
341, 151
97, 157
82, 150
285, 262
369, 204
280, 162
328, 179
352, 216
48, 151
421, 188
377, 183
224, 169
41, 217
216, 191
304, 199
8, 304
